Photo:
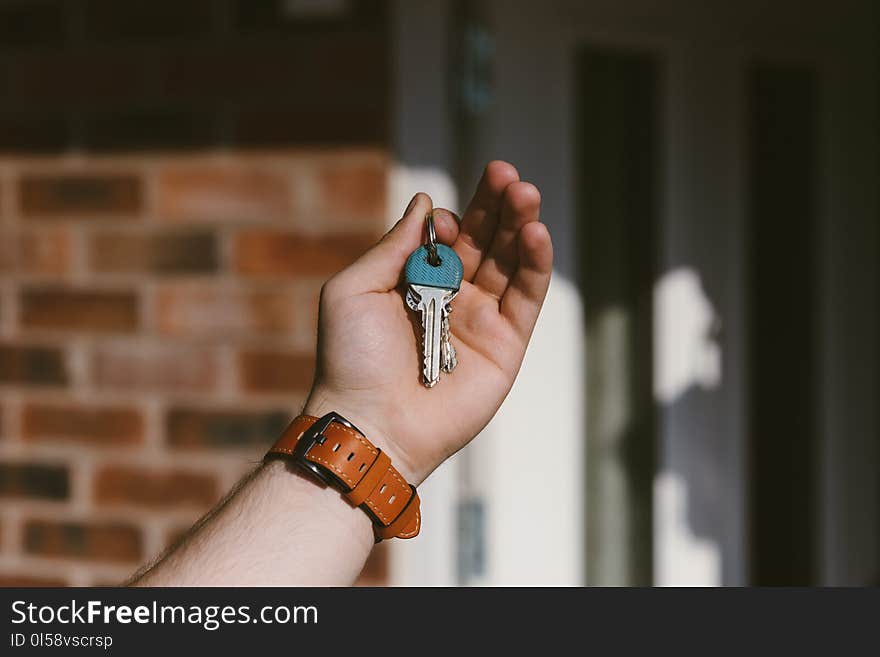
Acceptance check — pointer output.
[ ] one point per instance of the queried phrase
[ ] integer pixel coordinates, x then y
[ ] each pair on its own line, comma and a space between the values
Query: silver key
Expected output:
432, 303
433, 274
448, 359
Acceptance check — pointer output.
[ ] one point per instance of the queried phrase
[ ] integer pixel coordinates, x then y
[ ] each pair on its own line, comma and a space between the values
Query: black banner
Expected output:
241, 621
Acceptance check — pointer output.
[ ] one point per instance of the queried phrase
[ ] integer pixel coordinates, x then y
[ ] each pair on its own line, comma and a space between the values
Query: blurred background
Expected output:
699, 404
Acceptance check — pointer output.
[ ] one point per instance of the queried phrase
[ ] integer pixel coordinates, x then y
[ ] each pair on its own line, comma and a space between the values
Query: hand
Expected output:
369, 343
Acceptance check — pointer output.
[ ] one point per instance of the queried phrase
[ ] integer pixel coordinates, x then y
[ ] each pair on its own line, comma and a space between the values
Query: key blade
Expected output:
432, 319
432, 301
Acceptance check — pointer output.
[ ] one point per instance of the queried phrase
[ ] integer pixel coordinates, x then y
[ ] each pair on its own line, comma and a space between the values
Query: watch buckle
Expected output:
315, 435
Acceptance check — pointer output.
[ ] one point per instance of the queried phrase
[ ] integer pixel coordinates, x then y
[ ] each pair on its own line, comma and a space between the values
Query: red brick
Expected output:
160, 253
274, 371
19, 580
34, 480
80, 195
207, 311
67, 309
194, 428
276, 253
94, 541
46, 252
26, 365
223, 193
154, 367
353, 189
152, 488
98, 425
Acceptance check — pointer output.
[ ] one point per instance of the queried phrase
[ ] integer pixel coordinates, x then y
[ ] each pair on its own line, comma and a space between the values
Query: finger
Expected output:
481, 216
378, 270
520, 205
446, 224
523, 298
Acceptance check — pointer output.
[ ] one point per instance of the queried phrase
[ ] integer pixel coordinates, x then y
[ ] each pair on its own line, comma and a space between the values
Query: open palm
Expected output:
369, 344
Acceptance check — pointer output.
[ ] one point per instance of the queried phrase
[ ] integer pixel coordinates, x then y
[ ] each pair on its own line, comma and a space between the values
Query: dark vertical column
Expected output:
617, 119
470, 88
783, 191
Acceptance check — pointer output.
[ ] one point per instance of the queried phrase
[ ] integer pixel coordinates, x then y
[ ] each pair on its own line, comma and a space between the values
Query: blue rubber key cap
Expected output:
447, 275
432, 283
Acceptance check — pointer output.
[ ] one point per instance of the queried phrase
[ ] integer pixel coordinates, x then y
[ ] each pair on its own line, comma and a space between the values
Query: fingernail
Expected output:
447, 215
410, 206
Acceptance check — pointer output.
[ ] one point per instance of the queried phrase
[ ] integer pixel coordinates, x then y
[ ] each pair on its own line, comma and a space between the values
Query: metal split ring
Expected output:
433, 258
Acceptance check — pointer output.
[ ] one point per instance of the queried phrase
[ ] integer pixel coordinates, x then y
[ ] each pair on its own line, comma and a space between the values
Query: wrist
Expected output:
322, 401
306, 497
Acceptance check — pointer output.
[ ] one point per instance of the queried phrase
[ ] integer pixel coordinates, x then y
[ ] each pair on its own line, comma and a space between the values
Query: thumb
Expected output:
378, 270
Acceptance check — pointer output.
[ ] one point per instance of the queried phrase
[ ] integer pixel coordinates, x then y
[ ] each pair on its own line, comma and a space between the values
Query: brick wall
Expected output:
157, 316
160, 277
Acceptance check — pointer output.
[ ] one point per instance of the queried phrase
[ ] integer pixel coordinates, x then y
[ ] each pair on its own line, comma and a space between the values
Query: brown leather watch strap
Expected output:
342, 456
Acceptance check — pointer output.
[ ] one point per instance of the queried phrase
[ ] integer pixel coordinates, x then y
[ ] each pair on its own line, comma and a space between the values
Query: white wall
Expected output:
701, 500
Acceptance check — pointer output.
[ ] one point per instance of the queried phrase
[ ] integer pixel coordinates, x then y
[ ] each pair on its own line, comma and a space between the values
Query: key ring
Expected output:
433, 258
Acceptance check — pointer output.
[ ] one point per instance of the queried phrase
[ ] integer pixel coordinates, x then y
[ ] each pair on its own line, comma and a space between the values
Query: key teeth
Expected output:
426, 373
453, 361
447, 349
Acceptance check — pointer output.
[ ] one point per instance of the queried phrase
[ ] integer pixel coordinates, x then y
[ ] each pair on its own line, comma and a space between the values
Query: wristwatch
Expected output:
336, 453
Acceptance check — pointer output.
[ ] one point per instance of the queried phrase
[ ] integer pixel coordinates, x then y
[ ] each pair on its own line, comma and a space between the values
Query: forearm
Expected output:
277, 528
